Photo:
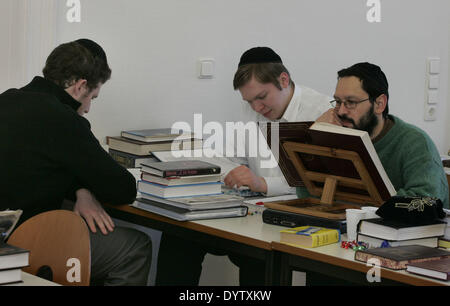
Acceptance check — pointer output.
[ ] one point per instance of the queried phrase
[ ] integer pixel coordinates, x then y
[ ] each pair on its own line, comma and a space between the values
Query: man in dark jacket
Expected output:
49, 154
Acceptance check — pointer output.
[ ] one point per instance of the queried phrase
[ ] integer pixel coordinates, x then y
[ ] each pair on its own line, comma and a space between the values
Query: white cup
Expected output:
353, 217
370, 212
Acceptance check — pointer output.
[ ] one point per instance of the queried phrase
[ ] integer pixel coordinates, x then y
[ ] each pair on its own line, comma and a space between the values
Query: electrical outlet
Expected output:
430, 113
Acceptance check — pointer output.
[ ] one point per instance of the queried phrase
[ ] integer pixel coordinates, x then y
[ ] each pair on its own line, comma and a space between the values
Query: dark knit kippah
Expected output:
93, 47
259, 55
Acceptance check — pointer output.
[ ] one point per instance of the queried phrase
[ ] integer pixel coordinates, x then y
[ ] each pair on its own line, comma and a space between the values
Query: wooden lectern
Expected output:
333, 191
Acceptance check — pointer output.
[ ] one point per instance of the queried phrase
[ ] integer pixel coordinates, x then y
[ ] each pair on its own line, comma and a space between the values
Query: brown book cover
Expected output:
363, 146
439, 269
335, 137
289, 131
397, 258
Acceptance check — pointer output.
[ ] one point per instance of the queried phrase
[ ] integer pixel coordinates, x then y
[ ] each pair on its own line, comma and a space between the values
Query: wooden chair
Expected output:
54, 238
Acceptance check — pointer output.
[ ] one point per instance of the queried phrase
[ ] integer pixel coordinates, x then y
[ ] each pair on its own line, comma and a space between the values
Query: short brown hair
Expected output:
71, 62
262, 72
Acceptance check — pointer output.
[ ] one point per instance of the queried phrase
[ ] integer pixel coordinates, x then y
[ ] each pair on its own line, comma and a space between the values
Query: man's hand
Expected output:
243, 176
330, 116
92, 211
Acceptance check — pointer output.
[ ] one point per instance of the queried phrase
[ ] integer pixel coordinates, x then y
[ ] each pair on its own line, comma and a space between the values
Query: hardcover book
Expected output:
439, 269
181, 214
13, 257
141, 148
397, 258
374, 242
338, 137
156, 135
309, 236
180, 180
298, 142
180, 168
128, 160
394, 230
195, 203
164, 191
10, 276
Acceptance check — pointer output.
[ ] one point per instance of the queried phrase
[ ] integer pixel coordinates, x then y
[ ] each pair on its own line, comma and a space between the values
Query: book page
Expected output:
8, 220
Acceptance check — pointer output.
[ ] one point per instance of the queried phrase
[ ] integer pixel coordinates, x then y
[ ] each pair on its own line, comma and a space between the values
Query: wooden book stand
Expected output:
334, 193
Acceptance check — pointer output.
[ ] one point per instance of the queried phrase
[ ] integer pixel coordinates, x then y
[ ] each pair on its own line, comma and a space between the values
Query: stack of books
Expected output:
380, 232
185, 190
12, 260
179, 179
132, 148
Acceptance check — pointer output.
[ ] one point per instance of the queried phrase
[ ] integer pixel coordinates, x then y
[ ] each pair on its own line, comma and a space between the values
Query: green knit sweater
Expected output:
411, 161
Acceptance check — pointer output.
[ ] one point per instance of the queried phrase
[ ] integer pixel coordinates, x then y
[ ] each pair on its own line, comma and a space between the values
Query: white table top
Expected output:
32, 280
250, 226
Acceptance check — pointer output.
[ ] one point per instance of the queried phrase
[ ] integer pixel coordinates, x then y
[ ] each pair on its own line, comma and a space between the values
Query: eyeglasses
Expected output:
347, 104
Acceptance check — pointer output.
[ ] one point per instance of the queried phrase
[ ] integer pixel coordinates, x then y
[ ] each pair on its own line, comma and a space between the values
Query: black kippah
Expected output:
259, 55
93, 47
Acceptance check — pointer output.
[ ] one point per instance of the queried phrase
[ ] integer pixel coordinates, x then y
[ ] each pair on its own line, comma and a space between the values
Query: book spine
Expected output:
124, 161
324, 238
189, 172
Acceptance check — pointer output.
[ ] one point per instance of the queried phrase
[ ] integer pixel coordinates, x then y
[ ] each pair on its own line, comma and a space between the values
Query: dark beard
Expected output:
367, 123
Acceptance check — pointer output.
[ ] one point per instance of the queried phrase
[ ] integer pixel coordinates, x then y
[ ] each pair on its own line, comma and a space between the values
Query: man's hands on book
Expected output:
92, 211
243, 176
330, 116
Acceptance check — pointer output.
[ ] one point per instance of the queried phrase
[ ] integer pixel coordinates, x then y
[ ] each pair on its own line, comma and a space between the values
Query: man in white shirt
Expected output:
271, 95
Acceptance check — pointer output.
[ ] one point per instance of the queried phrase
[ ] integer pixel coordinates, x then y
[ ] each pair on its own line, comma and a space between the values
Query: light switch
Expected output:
433, 82
434, 65
432, 96
430, 113
206, 68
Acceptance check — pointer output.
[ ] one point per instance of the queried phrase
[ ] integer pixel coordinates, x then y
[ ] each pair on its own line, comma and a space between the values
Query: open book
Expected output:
314, 154
330, 135
8, 220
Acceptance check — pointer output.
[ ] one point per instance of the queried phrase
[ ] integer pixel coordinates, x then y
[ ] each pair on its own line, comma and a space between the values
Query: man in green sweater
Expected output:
407, 153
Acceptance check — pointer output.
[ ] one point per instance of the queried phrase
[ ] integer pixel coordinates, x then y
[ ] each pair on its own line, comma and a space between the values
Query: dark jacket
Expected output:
47, 152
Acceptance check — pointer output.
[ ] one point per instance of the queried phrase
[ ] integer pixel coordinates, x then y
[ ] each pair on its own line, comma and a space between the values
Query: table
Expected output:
33, 280
244, 235
250, 236
338, 262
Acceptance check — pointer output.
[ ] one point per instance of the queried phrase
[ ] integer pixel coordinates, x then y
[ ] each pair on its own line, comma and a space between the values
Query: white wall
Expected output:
153, 47
12, 48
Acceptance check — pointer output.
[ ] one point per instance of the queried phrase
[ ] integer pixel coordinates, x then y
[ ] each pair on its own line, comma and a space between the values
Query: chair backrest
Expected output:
58, 240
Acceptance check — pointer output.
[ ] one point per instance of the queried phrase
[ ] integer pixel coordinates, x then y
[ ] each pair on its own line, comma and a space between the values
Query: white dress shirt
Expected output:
306, 105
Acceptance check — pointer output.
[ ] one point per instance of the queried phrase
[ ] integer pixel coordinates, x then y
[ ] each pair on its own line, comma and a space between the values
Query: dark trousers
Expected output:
180, 263
121, 258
